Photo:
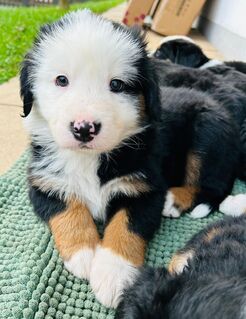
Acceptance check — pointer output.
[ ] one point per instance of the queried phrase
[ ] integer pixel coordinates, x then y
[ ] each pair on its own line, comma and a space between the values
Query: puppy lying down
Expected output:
205, 279
110, 143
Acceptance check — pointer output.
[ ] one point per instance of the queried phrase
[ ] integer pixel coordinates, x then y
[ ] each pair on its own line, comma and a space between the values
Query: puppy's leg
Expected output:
117, 259
180, 199
76, 237
212, 169
179, 261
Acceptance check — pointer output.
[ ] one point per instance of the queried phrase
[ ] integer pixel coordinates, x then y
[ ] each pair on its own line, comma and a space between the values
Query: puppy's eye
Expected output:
117, 85
61, 80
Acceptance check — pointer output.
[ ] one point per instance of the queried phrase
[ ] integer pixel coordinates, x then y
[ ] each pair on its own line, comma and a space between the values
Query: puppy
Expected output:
206, 279
225, 83
107, 142
184, 51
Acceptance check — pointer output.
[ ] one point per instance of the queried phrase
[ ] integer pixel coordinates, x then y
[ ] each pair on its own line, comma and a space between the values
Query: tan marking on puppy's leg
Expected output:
116, 262
184, 196
74, 229
193, 166
122, 241
179, 261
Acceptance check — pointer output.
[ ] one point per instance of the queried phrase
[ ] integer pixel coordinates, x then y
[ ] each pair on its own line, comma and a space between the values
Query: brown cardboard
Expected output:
174, 17
137, 11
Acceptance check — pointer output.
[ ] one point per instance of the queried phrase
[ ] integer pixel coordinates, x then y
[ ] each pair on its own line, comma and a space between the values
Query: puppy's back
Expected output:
213, 285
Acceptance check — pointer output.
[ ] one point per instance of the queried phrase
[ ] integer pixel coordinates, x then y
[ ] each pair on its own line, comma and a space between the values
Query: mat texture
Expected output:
33, 281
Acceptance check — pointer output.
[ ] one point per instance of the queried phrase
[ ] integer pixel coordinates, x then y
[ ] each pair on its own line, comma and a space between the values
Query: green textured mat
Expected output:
33, 282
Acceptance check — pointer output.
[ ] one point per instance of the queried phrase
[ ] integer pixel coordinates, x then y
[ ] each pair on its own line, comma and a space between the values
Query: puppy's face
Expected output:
87, 79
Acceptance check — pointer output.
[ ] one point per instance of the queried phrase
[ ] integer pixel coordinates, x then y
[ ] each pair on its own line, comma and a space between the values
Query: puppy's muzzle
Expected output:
85, 131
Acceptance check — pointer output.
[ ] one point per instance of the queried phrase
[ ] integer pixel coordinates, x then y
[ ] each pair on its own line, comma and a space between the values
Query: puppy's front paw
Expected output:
169, 209
200, 211
234, 205
110, 275
79, 264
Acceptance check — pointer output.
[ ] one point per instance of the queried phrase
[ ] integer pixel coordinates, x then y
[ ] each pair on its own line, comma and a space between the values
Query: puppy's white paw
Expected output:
200, 211
169, 209
234, 205
79, 264
110, 275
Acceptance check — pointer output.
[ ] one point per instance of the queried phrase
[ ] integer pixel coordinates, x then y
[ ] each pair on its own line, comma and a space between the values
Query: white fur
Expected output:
210, 64
90, 52
169, 209
234, 205
176, 37
110, 275
73, 174
80, 263
200, 211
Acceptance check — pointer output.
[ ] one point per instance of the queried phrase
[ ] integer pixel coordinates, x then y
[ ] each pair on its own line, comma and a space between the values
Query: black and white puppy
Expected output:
184, 51
107, 142
206, 279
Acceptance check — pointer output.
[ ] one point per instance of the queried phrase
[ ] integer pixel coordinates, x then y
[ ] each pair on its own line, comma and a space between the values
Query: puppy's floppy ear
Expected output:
181, 52
25, 87
151, 92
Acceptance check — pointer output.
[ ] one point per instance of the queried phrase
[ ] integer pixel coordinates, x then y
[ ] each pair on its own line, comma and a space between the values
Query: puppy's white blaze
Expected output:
73, 174
80, 263
169, 209
234, 205
176, 37
210, 64
200, 211
110, 275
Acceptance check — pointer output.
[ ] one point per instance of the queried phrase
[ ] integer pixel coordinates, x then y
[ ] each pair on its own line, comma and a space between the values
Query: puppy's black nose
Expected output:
85, 131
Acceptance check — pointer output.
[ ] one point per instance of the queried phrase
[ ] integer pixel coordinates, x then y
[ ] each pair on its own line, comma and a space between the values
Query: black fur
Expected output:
186, 53
181, 52
45, 205
213, 285
193, 121
25, 84
226, 86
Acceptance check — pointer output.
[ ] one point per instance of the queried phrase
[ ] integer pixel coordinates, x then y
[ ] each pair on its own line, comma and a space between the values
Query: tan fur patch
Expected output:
184, 196
135, 185
142, 106
193, 166
74, 229
212, 233
122, 241
44, 186
179, 261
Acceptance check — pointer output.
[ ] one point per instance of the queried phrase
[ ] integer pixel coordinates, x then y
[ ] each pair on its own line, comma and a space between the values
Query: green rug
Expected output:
33, 281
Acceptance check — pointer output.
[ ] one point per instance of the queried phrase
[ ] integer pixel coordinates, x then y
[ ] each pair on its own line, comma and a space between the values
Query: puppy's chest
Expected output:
82, 182
77, 177
96, 196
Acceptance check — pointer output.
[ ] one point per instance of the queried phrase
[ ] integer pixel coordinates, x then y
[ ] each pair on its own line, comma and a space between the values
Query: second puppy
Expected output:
206, 279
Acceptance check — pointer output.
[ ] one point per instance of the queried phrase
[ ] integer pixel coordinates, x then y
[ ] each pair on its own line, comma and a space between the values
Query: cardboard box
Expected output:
174, 17
137, 11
